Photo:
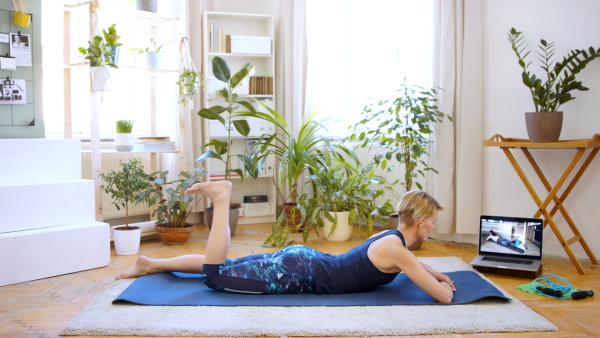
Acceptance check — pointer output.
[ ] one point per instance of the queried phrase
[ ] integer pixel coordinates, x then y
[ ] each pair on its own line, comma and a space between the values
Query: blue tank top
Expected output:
352, 271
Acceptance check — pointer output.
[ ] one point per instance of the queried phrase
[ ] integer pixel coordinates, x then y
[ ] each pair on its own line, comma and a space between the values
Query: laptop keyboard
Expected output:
508, 260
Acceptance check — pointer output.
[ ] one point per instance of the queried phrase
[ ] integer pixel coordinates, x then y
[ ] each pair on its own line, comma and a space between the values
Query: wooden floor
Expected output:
41, 308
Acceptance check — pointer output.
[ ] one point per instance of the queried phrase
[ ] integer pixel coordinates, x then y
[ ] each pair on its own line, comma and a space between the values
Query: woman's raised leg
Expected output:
217, 246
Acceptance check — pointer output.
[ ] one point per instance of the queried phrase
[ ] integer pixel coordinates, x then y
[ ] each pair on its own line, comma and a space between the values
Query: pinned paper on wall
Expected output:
4, 38
20, 48
12, 91
8, 63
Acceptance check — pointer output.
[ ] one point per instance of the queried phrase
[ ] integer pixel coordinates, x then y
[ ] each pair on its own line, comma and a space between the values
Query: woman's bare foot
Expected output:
142, 267
216, 191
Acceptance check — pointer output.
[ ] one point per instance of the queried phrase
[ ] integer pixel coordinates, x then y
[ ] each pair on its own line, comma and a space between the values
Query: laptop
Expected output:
510, 246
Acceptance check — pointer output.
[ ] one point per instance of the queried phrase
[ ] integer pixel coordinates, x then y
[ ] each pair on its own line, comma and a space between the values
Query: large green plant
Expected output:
402, 128
124, 185
173, 206
231, 119
345, 186
560, 81
297, 154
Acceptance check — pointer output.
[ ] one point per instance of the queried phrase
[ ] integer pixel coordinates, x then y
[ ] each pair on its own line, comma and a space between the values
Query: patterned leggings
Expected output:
289, 270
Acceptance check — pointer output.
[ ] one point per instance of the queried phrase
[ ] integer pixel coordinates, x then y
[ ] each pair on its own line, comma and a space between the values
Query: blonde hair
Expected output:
416, 204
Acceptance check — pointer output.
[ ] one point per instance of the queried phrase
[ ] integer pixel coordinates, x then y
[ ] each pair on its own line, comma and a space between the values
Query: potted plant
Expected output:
172, 205
112, 41
124, 187
345, 197
297, 155
99, 55
124, 135
153, 54
228, 116
403, 129
190, 83
545, 124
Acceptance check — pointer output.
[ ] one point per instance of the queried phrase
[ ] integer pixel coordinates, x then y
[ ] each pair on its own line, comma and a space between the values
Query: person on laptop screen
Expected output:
517, 243
300, 269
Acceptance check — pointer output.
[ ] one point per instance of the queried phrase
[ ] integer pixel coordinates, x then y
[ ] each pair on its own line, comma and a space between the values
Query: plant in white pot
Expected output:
99, 55
124, 186
545, 124
345, 197
124, 135
298, 153
153, 53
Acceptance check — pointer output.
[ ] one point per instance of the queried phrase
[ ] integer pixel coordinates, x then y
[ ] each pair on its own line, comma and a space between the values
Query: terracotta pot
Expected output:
233, 218
544, 127
175, 235
292, 216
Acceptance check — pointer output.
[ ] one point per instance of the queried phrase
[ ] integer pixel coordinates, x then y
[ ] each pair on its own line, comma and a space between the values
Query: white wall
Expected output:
571, 25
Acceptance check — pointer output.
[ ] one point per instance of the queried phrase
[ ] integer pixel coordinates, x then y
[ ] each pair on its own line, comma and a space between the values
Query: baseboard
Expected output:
510, 272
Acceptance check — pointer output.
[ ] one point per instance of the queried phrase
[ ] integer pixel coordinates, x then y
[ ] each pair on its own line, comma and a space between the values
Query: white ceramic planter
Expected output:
343, 230
154, 59
127, 242
124, 141
101, 81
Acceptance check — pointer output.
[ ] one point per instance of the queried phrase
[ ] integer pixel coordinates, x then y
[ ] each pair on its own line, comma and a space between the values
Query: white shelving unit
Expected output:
76, 74
246, 25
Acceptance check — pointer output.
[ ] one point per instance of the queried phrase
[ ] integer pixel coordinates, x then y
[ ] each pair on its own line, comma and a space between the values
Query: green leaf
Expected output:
242, 127
221, 69
241, 75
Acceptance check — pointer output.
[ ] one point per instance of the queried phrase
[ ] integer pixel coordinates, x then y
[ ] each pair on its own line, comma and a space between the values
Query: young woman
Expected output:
298, 269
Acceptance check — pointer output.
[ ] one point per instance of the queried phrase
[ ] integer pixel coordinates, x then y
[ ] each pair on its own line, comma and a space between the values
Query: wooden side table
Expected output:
581, 145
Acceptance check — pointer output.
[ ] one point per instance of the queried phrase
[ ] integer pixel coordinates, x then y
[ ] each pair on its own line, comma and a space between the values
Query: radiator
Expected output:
366, 155
111, 161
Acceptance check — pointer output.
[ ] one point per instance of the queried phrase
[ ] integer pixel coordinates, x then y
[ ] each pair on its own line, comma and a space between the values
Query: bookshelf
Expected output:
251, 38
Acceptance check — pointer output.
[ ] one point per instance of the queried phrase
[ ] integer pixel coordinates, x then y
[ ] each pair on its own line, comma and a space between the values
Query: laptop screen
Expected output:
511, 236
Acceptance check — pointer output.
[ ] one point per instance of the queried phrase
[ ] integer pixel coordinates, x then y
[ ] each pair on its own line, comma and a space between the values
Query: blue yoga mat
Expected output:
188, 289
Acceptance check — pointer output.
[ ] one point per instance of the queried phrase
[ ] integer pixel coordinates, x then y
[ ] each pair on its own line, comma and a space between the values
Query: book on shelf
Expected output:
154, 143
219, 40
261, 85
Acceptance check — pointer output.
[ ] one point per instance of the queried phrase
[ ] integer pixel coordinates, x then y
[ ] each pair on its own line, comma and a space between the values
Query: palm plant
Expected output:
297, 154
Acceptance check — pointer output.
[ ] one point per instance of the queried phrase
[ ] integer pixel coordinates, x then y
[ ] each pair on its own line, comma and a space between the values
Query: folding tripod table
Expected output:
581, 145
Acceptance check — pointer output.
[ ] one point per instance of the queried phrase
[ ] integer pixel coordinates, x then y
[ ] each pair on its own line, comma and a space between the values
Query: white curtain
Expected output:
291, 61
457, 153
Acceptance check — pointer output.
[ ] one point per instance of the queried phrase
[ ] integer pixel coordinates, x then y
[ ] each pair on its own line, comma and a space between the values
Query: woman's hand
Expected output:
444, 278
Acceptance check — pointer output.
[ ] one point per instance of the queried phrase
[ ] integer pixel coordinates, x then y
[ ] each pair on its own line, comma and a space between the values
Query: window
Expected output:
360, 49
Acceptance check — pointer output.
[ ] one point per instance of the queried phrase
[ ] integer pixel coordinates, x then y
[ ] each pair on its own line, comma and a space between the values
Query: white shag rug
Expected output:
102, 318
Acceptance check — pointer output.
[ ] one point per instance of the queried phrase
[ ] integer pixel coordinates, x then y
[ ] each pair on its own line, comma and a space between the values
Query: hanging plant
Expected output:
190, 82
